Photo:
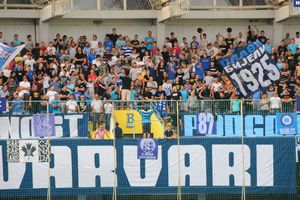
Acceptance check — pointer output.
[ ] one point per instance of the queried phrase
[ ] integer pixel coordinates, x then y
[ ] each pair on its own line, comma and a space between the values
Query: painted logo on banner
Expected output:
250, 69
286, 123
147, 149
44, 125
27, 151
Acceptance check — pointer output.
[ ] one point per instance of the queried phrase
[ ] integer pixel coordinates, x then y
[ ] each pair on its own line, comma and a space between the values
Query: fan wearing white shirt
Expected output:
94, 42
97, 108
25, 86
51, 93
71, 105
108, 108
29, 61
275, 102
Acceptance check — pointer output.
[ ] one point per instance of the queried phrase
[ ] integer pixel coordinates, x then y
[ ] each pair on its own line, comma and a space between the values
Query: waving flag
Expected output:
7, 54
250, 69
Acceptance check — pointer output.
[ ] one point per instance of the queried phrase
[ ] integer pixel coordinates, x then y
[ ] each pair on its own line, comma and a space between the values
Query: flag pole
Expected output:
49, 149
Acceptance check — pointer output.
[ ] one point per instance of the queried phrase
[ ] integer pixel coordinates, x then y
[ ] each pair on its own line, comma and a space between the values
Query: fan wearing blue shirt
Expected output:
292, 47
92, 56
17, 105
16, 41
205, 61
108, 44
149, 41
184, 97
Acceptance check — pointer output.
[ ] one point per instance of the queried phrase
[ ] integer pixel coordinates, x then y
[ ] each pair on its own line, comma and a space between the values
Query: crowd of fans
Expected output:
78, 75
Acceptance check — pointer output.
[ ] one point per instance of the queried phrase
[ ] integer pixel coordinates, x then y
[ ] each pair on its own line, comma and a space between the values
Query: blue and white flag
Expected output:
3, 104
286, 123
250, 69
44, 125
147, 149
7, 54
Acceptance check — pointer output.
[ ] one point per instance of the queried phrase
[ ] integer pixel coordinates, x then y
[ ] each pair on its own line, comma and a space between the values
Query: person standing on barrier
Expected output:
126, 83
146, 121
97, 108
118, 131
108, 108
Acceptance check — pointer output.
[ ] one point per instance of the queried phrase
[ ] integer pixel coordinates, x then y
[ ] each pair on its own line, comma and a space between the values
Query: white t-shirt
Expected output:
46, 80
51, 94
216, 86
97, 105
94, 44
30, 62
26, 85
51, 48
71, 105
275, 102
108, 107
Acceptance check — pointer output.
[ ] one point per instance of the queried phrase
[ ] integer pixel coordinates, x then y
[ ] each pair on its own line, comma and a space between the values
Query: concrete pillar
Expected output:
278, 33
160, 34
43, 32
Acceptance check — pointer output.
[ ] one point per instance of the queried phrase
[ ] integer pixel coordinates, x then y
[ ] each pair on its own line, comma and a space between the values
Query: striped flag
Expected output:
7, 54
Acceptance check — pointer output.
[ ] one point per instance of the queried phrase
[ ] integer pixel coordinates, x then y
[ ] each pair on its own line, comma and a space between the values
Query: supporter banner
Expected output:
22, 126
286, 123
208, 165
147, 149
250, 69
230, 125
27, 151
7, 54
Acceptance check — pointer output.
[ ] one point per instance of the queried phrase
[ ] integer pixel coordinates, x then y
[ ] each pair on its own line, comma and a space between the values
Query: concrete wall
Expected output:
77, 27
188, 28
23, 27
181, 27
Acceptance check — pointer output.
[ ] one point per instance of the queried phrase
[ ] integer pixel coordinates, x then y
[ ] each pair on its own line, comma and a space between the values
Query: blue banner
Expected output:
7, 54
208, 165
230, 125
250, 69
296, 3
3, 104
286, 123
147, 149
22, 126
